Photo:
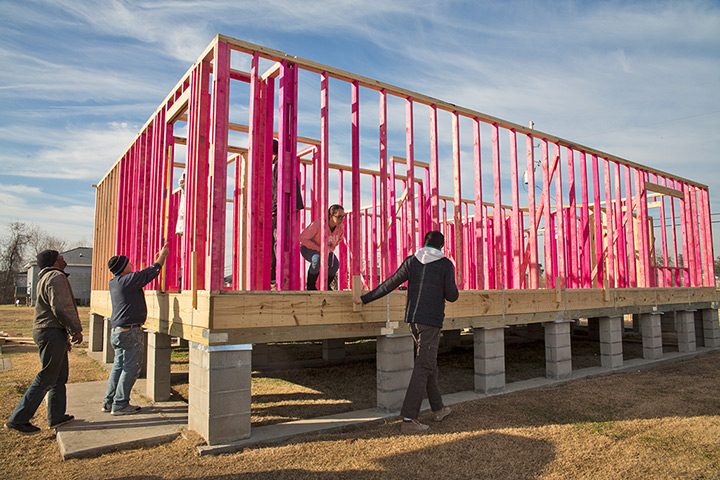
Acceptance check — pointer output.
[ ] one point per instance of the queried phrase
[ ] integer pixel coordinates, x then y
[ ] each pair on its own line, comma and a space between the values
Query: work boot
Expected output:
128, 410
311, 280
23, 428
65, 419
442, 413
413, 426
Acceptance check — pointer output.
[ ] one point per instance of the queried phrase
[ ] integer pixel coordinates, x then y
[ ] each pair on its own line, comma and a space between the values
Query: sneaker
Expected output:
442, 413
65, 419
23, 429
128, 410
107, 407
413, 426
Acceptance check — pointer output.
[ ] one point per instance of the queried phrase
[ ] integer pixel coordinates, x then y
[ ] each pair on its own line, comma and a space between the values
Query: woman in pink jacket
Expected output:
310, 246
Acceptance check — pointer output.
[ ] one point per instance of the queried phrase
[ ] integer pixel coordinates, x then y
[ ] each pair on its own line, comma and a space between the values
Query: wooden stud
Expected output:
610, 242
356, 291
498, 216
434, 189
215, 272
324, 184
585, 255
561, 239
573, 247
410, 183
534, 273
626, 256
457, 204
356, 239
549, 233
480, 219
515, 231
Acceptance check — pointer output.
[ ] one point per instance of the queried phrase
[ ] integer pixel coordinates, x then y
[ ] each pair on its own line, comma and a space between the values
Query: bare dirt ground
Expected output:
658, 423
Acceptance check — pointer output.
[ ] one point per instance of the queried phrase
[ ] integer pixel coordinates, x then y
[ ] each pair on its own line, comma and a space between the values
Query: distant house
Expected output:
79, 270
21, 287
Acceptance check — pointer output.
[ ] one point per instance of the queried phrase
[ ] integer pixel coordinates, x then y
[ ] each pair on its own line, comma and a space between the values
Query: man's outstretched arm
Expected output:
400, 276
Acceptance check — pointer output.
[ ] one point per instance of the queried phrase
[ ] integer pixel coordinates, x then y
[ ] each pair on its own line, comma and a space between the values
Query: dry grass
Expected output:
659, 423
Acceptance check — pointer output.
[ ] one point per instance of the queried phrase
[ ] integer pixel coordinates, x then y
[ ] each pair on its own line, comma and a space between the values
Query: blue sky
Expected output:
640, 80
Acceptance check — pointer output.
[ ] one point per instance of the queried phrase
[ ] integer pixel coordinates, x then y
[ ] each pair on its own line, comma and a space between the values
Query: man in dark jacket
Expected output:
129, 312
431, 281
55, 325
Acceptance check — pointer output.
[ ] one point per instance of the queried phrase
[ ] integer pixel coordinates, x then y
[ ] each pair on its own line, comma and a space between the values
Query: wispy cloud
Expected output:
33, 77
75, 153
58, 215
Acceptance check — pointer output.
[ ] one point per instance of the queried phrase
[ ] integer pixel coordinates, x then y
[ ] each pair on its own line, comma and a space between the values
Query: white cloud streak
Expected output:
60, 216
84, 153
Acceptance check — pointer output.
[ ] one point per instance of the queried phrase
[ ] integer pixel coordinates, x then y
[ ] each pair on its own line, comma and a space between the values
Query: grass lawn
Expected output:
658, 423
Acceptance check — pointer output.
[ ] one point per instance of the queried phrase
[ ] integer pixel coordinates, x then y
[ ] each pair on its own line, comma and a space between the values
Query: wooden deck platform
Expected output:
231, 317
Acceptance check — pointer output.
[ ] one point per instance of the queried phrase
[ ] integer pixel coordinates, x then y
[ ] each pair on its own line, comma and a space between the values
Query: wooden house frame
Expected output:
582, 243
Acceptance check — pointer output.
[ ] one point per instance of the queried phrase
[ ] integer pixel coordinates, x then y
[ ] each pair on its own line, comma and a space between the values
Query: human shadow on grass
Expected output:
682, 389
264, 399
481, 455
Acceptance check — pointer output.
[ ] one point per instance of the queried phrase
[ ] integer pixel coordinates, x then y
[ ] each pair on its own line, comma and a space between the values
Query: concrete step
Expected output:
94, 432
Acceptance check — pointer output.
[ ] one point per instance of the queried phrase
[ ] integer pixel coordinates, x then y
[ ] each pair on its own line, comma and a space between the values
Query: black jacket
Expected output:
429, 285
128, 297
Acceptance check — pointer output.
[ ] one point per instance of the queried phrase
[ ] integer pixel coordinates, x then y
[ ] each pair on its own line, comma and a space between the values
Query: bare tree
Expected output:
39, 240
12, 249
83, 242
18, 246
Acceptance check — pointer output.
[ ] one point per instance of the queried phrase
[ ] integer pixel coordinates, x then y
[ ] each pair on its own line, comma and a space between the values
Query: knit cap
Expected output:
47, 258
117, 264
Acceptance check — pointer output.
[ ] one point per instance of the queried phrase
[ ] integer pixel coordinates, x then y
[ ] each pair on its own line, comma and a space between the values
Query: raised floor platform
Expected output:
229, 317
222, 328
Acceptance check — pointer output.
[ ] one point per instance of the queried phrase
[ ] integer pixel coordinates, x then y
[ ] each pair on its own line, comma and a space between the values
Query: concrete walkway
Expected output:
94, 432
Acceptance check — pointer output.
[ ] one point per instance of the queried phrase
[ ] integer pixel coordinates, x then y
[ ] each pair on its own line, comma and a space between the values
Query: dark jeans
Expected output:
313, 256
51, 379
424, 379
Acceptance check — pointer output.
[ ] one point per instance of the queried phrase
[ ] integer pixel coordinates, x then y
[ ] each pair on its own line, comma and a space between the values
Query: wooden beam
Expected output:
663, 190
403, 160
178, 108
271, 72
284, 316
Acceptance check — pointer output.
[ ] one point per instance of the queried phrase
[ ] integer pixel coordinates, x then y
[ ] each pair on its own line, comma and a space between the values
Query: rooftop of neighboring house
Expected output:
74, 257
78, 256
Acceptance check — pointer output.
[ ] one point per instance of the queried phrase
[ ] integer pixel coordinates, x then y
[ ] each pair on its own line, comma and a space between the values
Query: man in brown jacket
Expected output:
55, 325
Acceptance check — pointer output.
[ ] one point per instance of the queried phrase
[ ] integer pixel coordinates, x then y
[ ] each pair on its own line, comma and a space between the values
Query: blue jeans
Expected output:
313, 256
51, 379
128, 347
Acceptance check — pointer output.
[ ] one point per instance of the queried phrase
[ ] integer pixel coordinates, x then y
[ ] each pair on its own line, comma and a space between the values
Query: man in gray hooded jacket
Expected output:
55, 325
431, 281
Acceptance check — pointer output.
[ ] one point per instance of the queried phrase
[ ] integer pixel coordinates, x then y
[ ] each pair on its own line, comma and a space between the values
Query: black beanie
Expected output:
117, 264
47, 258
